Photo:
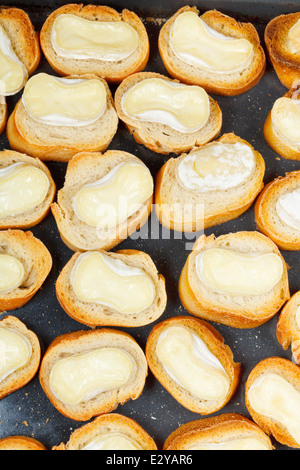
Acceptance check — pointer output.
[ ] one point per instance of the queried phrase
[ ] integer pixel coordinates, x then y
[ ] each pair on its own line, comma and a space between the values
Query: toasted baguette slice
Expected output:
288, 326
3, 114
102, 428
97, 314
24, 374
112, 71
162, 138
276, 141
60, 143
268, 221
239, 310
176, 206
285, 62
33, 216
275, 422
21, 443
24, 39
229, 431
207, 401
36, 261
86, 168
84, 342
227, 83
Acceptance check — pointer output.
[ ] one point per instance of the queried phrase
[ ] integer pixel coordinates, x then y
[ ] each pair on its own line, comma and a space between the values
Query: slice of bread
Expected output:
21, 443
113, 70
80, 343
24, 39
97, 314
60, 143
24, 374
3, 114
36, 261
86, 168
176, 206
288, 326
162, 138
277, 142
285, 62
276, 399
239, 310
217, 432
106, 426
227, 83
267, 219
35, 215
212, 352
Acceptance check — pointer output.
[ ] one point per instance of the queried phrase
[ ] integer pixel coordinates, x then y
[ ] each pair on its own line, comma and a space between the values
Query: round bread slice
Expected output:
277, 384
60, 143
21, 443
112, 70
285, 62
162, 138
36, 261
176, 206
21, 375
103, 434
229, 84
277, 143
268, 220
208, 353
24, 39
230, 431
77, 346
98, 314
86, 168
288, 326
239, 310
35, 215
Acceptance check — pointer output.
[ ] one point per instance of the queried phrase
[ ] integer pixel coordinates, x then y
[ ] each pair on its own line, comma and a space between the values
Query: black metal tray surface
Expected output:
28, 411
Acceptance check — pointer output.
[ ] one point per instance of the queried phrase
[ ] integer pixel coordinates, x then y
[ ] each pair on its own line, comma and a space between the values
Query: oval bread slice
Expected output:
21, 443
215, 344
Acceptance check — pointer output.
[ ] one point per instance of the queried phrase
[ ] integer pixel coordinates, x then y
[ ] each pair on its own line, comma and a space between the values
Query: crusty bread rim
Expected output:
89, 431
22, 376
41, 261
238, 208
222, 23
263, 213
21, 443
40, 211
287, 330
62, 344
79, 311
290, 372
214, 428
286, 65
278, 144
215, 342
123, 231
236, 316
137, 127
92, 12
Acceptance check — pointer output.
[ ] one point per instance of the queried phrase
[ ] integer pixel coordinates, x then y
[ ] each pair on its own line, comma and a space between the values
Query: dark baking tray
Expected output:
28, 411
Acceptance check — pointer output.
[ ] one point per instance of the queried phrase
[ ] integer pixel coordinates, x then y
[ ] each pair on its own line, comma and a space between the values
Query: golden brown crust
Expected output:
290, 372
113, 422
288, 332
194, 75
215, 342
214, 429
211, 308
285, 63
21, 443
20, 377
233, 211
265, 207
99, 13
